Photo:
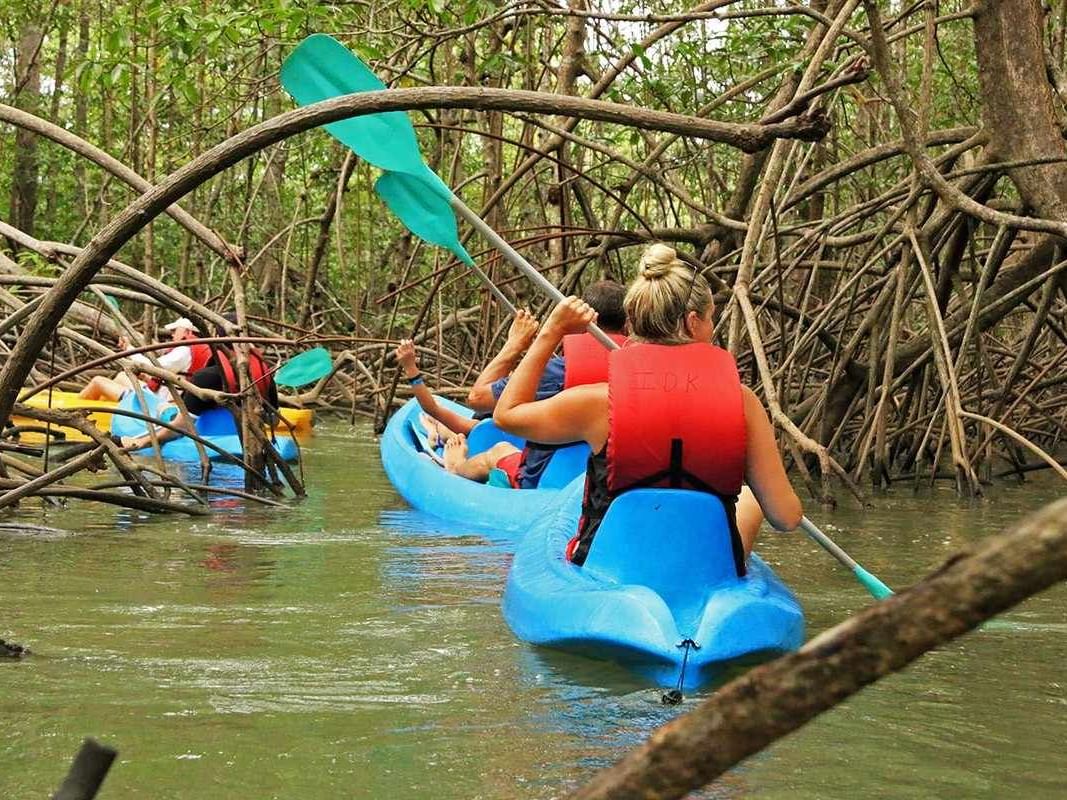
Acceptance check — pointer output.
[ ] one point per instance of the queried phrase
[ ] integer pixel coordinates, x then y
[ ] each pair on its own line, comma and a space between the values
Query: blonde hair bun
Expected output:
661, 296
658, 260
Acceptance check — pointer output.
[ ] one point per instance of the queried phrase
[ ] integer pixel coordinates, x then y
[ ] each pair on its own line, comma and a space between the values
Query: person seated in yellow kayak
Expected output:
672, 413
584, 360
183, 359
445, 425
219, 375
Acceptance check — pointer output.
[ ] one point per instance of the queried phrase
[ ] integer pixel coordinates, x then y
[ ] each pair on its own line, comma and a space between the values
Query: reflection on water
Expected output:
346, 646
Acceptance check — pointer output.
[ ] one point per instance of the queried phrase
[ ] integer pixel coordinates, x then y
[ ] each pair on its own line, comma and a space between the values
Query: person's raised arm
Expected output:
570, 415
520, 334
764, 470
405, 356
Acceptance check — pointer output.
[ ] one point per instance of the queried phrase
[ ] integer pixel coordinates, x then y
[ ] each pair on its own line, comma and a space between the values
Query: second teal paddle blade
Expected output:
419, 204
305, 368
321, 68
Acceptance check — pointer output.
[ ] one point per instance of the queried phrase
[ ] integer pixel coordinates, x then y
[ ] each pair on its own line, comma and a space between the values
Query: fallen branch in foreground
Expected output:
777, 698
87, 772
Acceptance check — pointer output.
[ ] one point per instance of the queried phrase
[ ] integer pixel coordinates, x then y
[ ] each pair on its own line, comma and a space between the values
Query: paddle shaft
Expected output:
827, 543
499, 295
520, 263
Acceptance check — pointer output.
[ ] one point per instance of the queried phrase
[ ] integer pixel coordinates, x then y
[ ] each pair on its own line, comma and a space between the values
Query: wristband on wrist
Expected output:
416, 380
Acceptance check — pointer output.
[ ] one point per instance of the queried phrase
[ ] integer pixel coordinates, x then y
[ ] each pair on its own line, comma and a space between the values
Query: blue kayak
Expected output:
659, 573
415, 471
215, 425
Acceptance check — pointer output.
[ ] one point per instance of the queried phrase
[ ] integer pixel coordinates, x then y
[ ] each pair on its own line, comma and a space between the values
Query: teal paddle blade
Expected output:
418, 202
321, 68
305, 368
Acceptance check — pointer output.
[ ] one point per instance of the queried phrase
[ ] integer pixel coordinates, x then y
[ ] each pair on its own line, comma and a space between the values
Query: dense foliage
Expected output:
156, 84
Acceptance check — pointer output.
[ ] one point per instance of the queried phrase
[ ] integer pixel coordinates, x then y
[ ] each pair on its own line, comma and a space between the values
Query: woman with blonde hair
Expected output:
673, 412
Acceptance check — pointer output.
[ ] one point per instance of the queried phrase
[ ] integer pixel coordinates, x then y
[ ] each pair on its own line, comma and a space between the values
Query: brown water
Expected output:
346, 647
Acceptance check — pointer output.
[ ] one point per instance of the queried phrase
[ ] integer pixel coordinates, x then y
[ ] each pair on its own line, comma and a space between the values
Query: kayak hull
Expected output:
426, 485
100, 416
184, 449
660, 572
216, 426
298, 421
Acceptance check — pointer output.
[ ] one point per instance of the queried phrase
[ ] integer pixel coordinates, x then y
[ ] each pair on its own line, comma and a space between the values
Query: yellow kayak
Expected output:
294, 420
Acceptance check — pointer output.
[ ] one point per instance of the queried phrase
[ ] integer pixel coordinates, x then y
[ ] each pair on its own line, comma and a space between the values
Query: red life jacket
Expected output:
257, 368
664, 397
677, 420
201, 357
585, 359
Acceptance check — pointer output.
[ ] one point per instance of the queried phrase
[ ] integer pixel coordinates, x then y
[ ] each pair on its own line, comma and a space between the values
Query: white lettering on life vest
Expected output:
642, 381
668, 382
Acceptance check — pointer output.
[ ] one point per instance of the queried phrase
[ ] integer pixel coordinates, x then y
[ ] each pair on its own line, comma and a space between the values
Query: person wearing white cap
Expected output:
220, 375
184, 359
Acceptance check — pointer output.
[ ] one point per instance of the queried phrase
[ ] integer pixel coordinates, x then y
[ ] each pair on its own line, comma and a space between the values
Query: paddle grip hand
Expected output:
522, 331
572, 315
406, 358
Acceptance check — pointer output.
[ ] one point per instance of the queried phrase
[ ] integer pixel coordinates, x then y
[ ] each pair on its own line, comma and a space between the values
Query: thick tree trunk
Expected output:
23, 210
571, 67
1019, 105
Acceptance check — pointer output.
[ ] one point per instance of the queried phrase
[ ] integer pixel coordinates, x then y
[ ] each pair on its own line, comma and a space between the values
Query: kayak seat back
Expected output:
122, 425
213, 422
566, 464
674, 541
216, 422
486, 434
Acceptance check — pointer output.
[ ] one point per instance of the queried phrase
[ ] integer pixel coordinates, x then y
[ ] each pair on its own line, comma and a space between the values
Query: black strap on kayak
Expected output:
677, 476
674, 696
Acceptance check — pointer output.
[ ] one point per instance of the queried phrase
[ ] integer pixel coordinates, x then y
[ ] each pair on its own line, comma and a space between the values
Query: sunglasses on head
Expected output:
692, 283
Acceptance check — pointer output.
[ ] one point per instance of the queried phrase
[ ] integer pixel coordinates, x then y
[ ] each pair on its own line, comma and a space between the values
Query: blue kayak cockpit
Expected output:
415, 470
681, 549
567, 461
660, 572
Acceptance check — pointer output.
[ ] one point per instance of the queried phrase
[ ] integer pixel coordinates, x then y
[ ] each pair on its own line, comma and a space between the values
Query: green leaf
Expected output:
189, 92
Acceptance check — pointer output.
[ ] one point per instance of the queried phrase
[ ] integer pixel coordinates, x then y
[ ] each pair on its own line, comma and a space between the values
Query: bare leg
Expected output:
436, 432
475, 468
749, 519
181, 421
101, 388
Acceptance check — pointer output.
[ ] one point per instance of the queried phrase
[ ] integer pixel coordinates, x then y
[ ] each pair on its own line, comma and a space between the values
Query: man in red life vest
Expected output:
218, 374
584, 360
183, 359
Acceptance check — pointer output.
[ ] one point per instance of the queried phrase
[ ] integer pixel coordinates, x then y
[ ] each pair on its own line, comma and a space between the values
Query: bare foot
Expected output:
455, 452
134, 442
433, 433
